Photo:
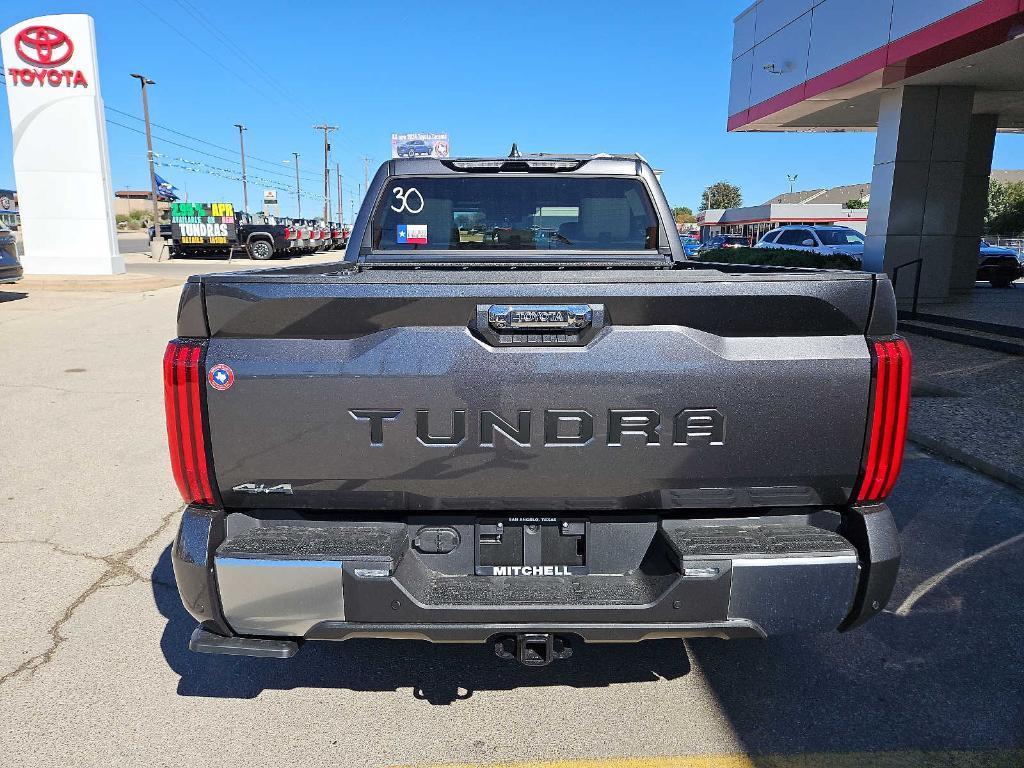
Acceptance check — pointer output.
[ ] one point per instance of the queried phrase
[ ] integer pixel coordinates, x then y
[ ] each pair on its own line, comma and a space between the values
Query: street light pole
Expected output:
144, 81
298, 189
327, 149
245, 183
341, 215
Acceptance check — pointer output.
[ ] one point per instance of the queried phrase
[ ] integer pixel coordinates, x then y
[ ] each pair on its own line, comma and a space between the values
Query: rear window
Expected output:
501, 213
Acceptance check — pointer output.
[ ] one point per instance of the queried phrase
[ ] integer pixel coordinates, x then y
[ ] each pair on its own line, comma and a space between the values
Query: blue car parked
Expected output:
690, 246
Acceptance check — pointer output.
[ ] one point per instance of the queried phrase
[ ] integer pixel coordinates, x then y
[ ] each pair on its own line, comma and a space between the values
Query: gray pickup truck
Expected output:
515, 414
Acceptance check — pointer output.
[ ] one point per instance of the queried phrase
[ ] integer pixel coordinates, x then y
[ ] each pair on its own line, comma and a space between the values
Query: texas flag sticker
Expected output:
415, 234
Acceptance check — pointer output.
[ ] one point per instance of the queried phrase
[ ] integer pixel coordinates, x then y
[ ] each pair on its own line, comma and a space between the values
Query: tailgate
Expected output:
412, 393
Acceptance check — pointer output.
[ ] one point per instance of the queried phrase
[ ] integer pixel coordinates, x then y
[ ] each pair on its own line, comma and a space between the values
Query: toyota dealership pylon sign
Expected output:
44, 49
61, 164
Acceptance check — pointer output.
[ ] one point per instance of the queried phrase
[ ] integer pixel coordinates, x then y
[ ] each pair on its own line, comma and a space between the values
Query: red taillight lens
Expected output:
889, 412
182, 381
287, 233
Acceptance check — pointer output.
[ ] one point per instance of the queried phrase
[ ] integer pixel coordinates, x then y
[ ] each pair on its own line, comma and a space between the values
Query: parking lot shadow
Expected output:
11, 296
438, 674
942, 672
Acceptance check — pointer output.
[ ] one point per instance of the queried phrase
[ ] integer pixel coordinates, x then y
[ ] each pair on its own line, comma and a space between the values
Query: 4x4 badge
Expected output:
285, 488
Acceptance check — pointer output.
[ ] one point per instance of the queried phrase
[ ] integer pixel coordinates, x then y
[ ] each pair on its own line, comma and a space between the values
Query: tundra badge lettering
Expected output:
563, 427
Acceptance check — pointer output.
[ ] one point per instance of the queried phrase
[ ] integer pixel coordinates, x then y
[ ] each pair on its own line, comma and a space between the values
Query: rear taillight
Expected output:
183, 381
888, 422
287, 233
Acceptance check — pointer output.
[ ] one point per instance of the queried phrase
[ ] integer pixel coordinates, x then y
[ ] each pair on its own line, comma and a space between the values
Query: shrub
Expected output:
779, 257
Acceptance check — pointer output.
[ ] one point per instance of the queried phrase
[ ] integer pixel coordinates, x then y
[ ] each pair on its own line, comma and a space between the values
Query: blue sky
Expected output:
573, 76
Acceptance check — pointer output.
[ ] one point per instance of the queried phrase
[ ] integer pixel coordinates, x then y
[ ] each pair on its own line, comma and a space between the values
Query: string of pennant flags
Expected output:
197, 166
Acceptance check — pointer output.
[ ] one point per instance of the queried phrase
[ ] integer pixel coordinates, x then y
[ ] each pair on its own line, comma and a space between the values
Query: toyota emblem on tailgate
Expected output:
563, 317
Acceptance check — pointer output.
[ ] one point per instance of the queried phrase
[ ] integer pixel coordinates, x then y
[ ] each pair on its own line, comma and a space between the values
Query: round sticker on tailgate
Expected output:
221, 377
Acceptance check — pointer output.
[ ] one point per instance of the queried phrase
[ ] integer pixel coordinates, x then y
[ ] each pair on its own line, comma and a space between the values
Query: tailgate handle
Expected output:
540, 317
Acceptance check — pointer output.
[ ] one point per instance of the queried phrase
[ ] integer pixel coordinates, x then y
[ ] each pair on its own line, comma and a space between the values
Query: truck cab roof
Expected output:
602, 163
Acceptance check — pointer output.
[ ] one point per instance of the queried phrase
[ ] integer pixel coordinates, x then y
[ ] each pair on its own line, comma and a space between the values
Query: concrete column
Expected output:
981, 142
933, 157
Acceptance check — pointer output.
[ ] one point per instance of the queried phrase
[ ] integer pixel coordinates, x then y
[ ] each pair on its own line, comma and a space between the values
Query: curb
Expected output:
975, 463
125, 283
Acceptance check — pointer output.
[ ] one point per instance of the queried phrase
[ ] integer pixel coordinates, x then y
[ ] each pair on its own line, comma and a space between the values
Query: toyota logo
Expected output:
44, 46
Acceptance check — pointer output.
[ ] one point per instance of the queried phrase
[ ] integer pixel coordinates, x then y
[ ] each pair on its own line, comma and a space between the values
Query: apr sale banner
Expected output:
203, 223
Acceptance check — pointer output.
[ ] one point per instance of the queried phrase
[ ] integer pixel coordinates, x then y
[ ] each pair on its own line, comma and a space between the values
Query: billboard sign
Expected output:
419, 145
270, 197
203, 224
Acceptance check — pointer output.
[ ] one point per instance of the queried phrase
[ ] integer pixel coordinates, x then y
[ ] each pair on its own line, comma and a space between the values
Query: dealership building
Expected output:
936, 78
753, 221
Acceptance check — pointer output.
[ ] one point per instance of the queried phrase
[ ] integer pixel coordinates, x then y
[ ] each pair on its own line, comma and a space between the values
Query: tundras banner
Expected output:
61, 164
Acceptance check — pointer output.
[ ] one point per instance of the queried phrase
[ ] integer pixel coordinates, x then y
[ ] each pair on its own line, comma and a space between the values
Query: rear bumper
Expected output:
1006, 269
11, 274
376, 585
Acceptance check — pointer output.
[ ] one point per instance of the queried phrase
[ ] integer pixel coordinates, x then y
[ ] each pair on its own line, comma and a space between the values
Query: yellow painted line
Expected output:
999, 758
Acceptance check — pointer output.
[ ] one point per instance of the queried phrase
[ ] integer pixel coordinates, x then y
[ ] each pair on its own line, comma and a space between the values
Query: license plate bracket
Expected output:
531, 546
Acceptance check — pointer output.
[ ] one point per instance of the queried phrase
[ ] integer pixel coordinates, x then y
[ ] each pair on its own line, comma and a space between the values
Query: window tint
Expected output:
794, 237
769, 237
469, 212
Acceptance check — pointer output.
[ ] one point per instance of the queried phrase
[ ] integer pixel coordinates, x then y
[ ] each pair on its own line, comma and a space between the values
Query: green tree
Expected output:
683, 214
855, 203
1005, 214
721, 194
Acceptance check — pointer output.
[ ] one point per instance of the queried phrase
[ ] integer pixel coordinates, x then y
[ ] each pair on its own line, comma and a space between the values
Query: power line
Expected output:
209, 55
213, 28
233, 161
201, 141
194, 166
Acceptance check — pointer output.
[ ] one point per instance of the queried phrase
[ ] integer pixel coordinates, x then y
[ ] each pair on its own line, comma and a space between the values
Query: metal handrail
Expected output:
917, 280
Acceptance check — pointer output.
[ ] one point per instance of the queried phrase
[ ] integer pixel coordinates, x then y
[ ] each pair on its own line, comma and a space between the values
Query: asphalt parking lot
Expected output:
94, 667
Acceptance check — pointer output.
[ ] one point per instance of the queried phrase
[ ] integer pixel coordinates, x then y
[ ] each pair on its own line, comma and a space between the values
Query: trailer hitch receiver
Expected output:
533, 650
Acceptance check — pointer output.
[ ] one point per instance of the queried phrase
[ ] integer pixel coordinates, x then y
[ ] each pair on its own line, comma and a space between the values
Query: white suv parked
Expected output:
826, 240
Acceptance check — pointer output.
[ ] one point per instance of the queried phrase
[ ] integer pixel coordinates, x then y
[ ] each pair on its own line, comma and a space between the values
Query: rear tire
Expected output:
260, 250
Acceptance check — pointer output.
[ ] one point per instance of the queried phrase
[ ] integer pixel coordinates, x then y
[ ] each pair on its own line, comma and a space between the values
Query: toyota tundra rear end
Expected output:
515, 414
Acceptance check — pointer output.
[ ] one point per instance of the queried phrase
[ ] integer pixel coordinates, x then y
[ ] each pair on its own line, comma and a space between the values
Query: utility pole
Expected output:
341, 214
144, 81
327, 150
245, 184
298, 189
792, 180
366, 172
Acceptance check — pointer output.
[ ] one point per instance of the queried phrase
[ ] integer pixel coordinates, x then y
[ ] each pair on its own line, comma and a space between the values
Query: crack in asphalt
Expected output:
117, 567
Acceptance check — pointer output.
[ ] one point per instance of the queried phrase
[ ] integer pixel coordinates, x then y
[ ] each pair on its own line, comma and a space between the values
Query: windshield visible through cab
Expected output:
840, 237
501, 213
